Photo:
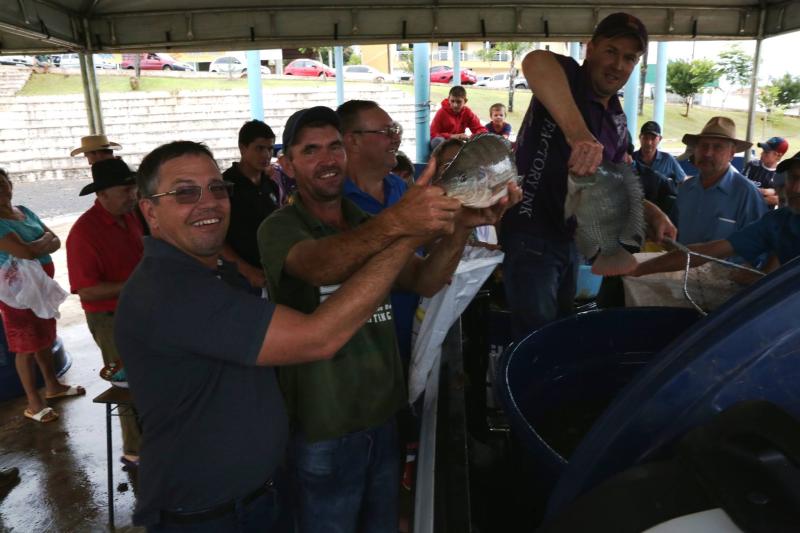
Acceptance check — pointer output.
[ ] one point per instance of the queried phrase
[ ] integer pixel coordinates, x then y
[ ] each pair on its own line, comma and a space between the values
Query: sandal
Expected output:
44, 416
73, 390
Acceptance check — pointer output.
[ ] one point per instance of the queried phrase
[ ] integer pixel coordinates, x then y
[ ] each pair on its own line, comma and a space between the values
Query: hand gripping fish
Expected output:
608, 208
480, 172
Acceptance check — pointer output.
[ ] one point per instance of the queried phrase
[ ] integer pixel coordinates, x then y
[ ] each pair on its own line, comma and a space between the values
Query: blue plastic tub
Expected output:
558, 380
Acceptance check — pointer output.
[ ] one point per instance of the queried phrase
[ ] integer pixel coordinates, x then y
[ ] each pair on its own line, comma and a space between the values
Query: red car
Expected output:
444, 74
309, 67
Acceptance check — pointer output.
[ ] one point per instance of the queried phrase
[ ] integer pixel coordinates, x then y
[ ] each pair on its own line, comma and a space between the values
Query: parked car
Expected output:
498, 81
521, 83
402, 75
309, 67
444, 74
232, 65
102, 61
23, 61
154, 61
365, 73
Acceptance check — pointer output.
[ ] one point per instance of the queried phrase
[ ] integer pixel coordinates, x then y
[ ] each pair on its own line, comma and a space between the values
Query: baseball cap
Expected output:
775, 144
783, 166
618, 24
651, 127
304, 117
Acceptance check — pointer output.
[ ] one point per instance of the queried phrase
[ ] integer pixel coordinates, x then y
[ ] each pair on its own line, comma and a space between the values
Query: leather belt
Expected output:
218, 511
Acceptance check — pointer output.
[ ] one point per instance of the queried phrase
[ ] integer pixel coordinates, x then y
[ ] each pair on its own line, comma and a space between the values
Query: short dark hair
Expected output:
403, 164
252, 130
147, 176
498, 105
458, 91
3, 173
350, 111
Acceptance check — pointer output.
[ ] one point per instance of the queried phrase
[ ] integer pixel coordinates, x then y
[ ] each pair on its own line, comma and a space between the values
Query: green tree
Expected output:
786, 90
517, 50
686, 78
736, 65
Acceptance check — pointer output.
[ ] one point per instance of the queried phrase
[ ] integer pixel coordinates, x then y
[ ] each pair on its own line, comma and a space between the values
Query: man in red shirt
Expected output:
103, 248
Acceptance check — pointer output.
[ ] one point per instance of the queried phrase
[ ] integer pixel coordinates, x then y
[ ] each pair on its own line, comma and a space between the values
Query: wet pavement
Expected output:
63, 464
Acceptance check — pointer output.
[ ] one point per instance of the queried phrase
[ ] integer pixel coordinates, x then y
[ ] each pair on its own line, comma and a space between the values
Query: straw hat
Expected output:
720, 128
90, 143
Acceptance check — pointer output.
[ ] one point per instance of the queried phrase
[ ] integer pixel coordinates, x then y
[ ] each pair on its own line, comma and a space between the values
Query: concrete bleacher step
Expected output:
39, 132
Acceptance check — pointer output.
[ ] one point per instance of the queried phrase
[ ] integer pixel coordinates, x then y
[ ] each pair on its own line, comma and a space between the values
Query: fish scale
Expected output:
479, 174
608, 209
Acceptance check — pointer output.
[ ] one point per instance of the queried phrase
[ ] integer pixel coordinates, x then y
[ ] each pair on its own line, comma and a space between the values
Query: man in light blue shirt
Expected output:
648, 154
719, 200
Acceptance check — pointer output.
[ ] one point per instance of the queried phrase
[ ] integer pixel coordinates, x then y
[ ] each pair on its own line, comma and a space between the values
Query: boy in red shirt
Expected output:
453, 118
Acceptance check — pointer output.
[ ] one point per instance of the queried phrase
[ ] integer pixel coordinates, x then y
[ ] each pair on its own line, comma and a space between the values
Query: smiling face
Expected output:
197, 229
317, 161
376, 150
610, 62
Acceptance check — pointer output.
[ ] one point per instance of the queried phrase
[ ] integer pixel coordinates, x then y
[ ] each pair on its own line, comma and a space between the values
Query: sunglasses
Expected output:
395, 130
190, 194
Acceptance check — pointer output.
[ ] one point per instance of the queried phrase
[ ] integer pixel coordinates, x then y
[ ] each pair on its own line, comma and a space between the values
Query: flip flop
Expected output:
128, 464
44, 416
73, 390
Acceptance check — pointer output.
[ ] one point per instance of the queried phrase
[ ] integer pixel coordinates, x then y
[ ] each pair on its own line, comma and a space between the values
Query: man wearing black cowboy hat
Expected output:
103, 248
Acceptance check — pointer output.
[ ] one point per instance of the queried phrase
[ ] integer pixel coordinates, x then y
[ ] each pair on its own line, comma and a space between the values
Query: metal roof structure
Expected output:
46, 26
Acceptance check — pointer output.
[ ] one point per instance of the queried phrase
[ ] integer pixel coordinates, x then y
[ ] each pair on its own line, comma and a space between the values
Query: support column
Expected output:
87, 96
660, 96
338, 52
254, 84
422, 97
751, 113
90, 83
631, 103
575, 51
456, 63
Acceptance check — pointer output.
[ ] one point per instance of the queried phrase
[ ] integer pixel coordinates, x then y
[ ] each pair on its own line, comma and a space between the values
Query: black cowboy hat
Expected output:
109, 173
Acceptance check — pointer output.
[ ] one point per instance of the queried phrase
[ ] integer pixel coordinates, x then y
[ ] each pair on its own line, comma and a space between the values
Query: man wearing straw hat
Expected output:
776, 235
719, 200
96, 148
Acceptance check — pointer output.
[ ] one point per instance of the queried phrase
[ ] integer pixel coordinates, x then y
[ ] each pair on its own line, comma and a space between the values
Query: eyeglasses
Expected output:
190, 194
395, 130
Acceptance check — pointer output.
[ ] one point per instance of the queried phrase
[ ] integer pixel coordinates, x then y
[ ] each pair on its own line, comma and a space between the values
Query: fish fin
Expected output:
571, 204
616, 264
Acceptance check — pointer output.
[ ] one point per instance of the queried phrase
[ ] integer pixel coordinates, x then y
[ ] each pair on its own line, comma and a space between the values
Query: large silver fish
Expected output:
608, 208
480, 172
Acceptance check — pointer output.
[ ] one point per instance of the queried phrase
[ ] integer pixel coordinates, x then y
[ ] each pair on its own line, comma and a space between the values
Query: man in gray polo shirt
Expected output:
198, 347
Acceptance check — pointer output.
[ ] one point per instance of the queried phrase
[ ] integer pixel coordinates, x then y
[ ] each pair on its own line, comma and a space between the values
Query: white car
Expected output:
500, 81
365, 73
232, 65
22, 61
102, 61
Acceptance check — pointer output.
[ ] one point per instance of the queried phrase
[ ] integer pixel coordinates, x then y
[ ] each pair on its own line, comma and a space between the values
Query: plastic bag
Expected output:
25, 285
435, 316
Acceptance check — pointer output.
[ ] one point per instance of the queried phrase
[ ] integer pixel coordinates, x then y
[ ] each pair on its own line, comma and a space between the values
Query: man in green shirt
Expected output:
344, 448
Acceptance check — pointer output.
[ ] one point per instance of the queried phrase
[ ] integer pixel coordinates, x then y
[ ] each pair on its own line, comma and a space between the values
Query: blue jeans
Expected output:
348, 484
265, 514
540, 278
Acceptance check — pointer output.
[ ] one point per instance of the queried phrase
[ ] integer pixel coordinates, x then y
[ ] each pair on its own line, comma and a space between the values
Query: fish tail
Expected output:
616, 264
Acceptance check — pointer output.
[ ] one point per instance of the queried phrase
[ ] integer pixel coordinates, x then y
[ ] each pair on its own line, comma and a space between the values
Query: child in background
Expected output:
404, 168
498, 124
453, 119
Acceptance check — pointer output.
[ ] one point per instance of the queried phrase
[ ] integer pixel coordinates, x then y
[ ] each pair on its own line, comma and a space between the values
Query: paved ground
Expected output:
63, 464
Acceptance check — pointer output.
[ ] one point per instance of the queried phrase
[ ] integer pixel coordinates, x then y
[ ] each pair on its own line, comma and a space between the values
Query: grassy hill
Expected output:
480, 99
